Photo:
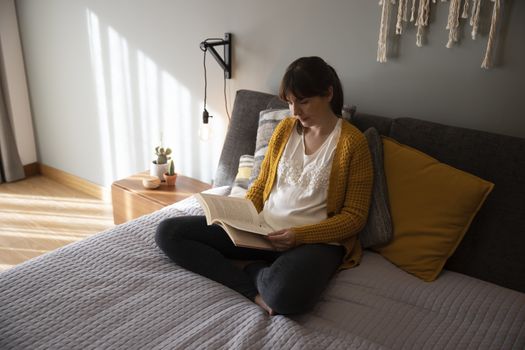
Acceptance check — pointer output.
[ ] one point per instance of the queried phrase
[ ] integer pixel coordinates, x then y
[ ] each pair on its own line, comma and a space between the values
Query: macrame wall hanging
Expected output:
419, 13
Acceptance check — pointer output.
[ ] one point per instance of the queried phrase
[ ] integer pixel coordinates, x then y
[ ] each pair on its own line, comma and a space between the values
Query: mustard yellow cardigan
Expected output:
349, 189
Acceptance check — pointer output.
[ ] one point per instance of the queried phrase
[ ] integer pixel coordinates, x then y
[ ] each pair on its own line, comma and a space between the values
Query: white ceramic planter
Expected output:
158, 170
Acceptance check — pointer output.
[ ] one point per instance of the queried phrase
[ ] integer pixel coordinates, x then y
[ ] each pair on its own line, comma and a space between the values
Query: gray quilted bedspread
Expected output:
116, 290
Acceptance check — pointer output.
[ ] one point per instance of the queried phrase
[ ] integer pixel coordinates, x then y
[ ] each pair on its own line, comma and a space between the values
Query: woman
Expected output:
313, 190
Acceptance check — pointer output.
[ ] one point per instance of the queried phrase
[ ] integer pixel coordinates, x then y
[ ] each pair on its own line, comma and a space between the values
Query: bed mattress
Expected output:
116, 289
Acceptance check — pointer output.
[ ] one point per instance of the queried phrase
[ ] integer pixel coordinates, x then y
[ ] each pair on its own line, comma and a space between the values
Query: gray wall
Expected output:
105, 77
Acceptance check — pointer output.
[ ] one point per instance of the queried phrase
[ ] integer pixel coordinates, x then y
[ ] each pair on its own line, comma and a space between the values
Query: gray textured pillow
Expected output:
268, 120
378, 229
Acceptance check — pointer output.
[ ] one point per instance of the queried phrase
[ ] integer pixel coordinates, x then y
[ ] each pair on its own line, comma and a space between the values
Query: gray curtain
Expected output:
11, 168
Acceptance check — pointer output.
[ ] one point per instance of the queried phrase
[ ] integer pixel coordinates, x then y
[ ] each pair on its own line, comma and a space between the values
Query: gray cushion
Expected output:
268, 120
378, 229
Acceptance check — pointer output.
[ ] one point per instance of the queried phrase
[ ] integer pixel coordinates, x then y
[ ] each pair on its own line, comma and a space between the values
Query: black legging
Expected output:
289, 282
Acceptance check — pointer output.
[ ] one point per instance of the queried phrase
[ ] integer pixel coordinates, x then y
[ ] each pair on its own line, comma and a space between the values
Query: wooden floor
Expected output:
38, 215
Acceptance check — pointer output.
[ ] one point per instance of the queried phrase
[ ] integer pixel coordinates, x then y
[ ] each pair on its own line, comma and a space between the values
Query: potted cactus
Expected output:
170, 176
159, 166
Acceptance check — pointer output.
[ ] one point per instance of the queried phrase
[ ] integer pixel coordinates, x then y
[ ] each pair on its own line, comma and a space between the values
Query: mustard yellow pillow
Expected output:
432, 205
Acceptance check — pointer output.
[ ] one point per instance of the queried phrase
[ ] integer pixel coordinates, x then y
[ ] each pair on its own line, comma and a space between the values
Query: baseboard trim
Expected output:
31, 169
75, 182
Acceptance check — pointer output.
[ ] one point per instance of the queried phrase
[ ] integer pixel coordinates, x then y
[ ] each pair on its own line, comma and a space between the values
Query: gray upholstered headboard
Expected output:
494, 245
242, 131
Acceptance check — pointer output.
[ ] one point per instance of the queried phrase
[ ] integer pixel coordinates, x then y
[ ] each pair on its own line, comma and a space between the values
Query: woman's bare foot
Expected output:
259, 301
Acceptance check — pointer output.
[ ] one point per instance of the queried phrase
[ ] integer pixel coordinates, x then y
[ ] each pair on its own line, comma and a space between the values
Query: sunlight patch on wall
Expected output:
148, 105
140, 105
177, 129
95, 46
122, 112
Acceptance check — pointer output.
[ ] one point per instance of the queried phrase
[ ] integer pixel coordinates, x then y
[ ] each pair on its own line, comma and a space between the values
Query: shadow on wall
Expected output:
139, 106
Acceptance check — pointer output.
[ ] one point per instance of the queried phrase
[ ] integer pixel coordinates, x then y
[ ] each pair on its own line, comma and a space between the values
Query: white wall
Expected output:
106, 76
17, 92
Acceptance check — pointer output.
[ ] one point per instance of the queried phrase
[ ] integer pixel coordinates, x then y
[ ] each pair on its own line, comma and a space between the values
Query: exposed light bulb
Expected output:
205, 132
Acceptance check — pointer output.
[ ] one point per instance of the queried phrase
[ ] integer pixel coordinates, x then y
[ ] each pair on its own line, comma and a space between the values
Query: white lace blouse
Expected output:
300, 192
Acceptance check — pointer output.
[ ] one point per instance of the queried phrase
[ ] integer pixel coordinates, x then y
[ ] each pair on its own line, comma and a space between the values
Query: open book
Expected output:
238, 217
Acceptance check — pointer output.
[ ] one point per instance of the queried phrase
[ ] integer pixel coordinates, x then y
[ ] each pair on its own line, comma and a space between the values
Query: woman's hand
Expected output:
283, 239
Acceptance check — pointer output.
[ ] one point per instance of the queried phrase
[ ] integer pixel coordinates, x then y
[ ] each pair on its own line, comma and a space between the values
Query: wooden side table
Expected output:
130, 199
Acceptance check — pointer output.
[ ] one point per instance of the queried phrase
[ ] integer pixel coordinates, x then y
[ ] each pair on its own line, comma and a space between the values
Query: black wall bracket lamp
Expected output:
225, 63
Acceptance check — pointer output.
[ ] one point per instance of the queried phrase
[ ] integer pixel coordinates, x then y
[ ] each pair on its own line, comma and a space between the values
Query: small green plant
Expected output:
171, 168
162, 155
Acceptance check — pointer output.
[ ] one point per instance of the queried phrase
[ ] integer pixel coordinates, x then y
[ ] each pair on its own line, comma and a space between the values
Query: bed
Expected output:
116, 289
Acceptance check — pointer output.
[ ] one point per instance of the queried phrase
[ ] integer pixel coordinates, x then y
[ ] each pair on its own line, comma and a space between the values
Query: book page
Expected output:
237, 212
246, 239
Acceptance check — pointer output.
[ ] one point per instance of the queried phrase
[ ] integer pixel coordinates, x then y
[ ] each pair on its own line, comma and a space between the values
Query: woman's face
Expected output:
310, 110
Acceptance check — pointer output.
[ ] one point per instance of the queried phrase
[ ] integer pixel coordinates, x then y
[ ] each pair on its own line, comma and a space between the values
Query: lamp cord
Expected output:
226, 101
205, 79
204, 49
